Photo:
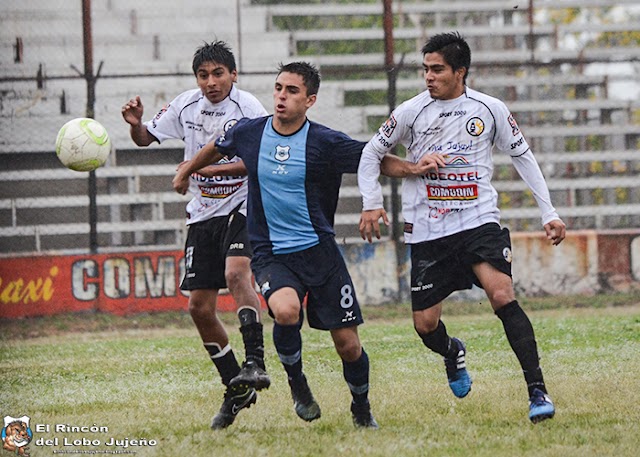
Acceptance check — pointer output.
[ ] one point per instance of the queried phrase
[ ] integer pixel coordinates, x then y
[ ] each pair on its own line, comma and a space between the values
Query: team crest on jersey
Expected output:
229, 124
389, 126
514, 125
282, 153
475, 126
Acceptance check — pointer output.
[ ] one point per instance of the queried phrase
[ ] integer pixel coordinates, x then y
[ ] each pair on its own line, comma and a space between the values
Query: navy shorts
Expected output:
321, 274
208, 245
443, 266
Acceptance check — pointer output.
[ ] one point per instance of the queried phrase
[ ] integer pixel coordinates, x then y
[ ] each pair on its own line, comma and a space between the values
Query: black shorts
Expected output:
208, 245
321, 274
442, 266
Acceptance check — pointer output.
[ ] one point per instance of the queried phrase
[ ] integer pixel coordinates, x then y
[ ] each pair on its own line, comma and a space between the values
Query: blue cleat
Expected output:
457, 374
540, 407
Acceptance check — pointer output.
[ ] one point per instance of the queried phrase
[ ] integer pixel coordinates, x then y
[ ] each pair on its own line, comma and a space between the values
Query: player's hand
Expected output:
429, 162
180, 181
369, 223
556, 231
132, 111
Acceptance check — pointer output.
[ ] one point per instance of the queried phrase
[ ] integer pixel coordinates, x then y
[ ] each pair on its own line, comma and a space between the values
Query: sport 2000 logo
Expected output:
16, 435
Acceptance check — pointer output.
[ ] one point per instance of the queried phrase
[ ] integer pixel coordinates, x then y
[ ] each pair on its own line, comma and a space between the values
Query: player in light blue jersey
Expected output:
295, 168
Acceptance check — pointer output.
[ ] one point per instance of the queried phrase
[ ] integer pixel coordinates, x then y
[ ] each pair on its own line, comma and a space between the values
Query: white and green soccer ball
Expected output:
83, 144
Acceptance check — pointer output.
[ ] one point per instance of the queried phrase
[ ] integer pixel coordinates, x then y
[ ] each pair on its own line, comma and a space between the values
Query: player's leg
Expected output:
284, 293
355, 368
286, 308
239, 279
520, 335
435, 273
332, 305
433, 334
204, 275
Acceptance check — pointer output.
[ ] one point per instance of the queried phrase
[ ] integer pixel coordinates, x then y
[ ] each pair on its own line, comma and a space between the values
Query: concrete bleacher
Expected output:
586, 135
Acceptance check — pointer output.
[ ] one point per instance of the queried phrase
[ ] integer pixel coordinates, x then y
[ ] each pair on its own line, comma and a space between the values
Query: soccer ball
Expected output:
83, 144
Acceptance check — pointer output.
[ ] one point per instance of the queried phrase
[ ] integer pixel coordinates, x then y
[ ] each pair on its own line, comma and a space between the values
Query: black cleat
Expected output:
303, 402
235, 399
362, 417
252, 375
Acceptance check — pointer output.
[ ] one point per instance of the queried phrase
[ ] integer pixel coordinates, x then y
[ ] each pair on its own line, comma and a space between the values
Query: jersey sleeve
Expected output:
255, 108
347, 151
509, 138
226, 143
528, 168
390, 133
166, 123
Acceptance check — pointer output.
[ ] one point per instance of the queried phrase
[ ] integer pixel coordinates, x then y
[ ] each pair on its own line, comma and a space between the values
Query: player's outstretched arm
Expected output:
225, 169
396, 167
132, 112
528, 168
206, 156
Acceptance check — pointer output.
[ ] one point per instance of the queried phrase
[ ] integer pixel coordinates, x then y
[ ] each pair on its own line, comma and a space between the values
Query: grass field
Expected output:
148, 378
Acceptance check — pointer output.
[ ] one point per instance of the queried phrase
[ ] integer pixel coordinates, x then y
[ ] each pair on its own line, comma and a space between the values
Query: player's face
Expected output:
215, 81
442, 82
290, 99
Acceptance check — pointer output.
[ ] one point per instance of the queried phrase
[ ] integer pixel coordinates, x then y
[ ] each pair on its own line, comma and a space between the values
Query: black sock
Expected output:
357, 376
288, 343
519, 331
224, 360
440, 342
253, 343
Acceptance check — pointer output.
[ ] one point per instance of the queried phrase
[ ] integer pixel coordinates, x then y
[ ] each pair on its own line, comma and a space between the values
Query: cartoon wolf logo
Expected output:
16, 435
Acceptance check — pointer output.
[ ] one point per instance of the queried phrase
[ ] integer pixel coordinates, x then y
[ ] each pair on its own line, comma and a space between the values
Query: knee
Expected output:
198, 305
500, 298
424, 325
236, 278
349, 350
286, 316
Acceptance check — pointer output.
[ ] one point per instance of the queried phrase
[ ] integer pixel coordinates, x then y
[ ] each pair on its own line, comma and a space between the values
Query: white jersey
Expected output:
191, 117
460, 195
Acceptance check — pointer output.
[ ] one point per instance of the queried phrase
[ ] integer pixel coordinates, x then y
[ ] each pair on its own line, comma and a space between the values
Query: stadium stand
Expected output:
573, 91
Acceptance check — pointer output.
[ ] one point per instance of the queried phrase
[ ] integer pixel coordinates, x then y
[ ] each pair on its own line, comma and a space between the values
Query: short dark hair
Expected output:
453, 48
308, 71
217, 51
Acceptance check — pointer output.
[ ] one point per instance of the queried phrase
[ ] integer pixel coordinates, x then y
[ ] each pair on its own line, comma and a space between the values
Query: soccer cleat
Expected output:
252, 375
362, 417
457, 374
303, 402
540, 407
235, 399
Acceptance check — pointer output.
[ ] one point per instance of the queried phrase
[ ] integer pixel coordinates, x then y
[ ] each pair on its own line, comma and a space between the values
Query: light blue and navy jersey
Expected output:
294, 181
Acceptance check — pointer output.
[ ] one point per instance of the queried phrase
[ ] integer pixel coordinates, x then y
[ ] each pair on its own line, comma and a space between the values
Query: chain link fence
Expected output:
569, 71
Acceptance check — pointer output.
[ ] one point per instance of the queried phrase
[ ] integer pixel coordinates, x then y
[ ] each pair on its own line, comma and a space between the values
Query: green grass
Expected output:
155, 382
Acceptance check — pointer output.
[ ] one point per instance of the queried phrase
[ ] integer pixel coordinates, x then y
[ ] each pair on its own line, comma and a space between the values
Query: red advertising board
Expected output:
120, 283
